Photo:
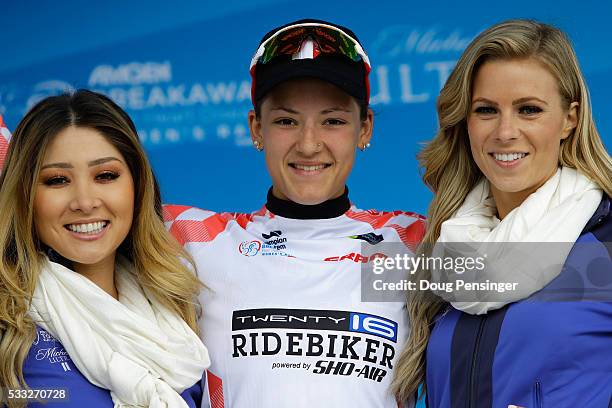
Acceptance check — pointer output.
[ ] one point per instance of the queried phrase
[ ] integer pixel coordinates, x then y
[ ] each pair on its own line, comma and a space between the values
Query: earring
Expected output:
258, 145
365, 146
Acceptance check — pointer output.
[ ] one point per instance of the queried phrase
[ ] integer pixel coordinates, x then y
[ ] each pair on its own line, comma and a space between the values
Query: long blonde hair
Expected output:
450, 170
161, 264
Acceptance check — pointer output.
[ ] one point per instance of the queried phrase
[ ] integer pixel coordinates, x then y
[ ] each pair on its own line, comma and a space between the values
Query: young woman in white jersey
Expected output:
283, 317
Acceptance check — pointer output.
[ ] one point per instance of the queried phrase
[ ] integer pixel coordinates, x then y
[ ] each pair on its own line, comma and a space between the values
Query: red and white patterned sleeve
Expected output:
409, 226
193, 225
5, 136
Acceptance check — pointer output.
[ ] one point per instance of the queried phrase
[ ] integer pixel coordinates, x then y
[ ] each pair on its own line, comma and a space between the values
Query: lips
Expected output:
508, 157
90, 228
309, 169
508, 160
309, 166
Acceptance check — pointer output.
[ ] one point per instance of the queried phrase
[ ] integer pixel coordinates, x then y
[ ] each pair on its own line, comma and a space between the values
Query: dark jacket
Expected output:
49, 367
538, 352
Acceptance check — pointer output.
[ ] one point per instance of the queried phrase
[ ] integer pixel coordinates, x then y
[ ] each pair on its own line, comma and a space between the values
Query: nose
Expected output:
507, 129
309, 143
84, 199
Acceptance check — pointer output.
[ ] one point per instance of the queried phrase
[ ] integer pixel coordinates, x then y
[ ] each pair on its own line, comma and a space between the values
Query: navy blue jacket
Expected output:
48, 366
534, 353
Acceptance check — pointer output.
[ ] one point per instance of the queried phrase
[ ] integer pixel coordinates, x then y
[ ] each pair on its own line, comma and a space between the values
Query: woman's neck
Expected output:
507, 201
101, 273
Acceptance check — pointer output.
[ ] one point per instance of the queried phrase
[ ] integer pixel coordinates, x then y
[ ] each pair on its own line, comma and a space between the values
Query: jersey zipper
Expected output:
538, 394
472, 396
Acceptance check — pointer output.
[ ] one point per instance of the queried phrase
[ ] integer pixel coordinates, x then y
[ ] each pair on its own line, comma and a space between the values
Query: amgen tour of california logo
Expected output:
249, 248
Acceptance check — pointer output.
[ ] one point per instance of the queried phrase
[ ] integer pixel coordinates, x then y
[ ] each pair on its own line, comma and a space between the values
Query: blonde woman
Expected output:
517, 159
97, 301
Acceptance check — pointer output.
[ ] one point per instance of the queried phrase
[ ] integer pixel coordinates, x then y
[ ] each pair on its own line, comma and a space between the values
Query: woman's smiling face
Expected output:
310, 130
84, 200
516, 123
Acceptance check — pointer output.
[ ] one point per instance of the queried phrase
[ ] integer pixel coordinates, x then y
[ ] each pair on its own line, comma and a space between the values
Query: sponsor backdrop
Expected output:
181, 72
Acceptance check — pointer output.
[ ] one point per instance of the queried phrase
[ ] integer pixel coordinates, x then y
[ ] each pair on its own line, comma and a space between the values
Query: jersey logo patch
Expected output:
370, 238
249, 248
269, 247
272, 234
306, 319
316, 342
44, 336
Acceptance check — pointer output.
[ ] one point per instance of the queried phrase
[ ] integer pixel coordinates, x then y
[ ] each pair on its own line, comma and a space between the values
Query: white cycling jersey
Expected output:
282, 316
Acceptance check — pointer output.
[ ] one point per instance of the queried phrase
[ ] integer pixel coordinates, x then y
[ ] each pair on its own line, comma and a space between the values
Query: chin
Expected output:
309, 197
510, 186
507, 184
309, 200
85, 258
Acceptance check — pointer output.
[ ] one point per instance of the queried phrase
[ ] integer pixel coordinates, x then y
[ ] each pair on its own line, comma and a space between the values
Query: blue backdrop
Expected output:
181, 72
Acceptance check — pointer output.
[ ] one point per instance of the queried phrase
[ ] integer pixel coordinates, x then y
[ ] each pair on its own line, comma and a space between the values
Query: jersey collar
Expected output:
328, 209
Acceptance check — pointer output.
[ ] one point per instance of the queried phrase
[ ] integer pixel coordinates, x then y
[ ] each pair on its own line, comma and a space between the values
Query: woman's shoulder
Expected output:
192, 224
409, 226
48, 366
600, 224
174, 212
383, 215
47, 357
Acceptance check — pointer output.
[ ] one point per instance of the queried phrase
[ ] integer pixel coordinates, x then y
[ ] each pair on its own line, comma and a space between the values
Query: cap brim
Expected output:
332, 70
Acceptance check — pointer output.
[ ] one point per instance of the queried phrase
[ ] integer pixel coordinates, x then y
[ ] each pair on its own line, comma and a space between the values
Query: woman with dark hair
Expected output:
285, 319
97, 300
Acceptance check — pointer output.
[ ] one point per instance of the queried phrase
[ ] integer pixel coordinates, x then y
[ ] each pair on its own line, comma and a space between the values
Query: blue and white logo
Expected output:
376, 325
249, 248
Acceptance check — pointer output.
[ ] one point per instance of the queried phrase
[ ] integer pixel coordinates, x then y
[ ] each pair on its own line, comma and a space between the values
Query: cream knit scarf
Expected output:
555, 213
135, 347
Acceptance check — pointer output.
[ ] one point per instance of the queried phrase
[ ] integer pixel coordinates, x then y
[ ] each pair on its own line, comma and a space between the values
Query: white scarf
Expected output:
556, 213
135, 347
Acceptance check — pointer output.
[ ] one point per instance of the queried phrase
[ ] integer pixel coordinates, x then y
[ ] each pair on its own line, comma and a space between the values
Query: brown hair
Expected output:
161, 264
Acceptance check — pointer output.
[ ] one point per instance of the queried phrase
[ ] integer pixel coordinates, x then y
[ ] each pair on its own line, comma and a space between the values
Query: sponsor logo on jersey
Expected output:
272, 234
249, 248
277, 244
44, 336
314, 319
274, 247
370, 238
355, 257
53, 354
274, 244
326, 342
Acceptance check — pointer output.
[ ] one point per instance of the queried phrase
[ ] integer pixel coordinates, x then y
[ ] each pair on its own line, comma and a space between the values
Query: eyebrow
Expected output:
283, 108
324, 111
516, 102
336, 109
64, 165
